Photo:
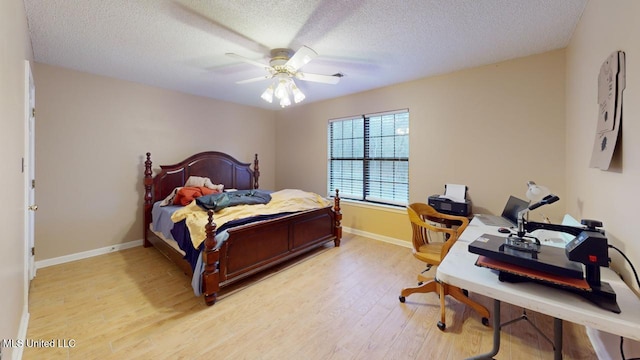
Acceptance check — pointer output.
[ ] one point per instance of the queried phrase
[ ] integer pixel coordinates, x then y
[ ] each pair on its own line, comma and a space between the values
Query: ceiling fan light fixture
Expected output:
267, 95
284, 102
297, 93
283, 67
281, 89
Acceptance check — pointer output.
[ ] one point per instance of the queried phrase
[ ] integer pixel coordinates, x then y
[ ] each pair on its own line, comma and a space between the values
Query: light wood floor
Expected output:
339, 303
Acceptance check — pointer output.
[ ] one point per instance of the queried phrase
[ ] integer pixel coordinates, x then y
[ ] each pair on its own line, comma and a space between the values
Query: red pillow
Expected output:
187, 194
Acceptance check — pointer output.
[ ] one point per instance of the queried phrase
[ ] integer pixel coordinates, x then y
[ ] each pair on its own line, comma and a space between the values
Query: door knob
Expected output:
33, 207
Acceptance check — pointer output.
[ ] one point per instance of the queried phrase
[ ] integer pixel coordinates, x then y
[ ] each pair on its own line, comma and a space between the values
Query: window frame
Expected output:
373, 190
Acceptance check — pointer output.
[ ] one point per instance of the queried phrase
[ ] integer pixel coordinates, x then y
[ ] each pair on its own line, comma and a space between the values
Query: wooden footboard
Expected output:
254, 248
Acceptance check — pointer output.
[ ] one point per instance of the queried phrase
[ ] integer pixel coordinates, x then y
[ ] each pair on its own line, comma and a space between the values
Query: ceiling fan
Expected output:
284, 67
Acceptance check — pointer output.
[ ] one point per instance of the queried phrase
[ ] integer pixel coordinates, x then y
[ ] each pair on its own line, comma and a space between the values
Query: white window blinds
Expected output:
369, 157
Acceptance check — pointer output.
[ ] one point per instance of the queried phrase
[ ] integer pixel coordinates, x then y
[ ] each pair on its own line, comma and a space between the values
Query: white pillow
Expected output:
169, 199
193, 181
203, 181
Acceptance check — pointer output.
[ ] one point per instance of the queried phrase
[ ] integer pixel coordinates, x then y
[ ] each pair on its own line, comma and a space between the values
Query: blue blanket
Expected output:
220, 201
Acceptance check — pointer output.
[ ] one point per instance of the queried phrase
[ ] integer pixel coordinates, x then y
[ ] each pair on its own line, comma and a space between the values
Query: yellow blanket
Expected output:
287, 200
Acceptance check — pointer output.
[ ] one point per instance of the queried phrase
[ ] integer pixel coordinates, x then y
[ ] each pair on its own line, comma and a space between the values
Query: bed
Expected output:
250, 247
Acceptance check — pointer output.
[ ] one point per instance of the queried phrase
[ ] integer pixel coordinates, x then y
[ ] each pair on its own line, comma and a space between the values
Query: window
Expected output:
369, 157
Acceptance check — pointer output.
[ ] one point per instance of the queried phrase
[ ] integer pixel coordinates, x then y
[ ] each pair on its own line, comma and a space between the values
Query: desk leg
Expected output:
557, 338
496, 333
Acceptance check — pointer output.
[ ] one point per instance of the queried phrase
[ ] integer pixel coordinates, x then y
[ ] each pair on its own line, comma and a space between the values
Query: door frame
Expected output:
29, 177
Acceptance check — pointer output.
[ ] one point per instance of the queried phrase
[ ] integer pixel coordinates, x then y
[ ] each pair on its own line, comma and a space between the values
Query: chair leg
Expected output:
458, 294
427, 287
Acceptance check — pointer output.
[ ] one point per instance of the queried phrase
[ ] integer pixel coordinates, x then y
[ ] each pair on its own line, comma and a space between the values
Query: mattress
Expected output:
169, 242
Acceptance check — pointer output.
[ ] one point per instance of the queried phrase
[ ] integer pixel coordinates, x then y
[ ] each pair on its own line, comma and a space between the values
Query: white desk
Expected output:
458, 269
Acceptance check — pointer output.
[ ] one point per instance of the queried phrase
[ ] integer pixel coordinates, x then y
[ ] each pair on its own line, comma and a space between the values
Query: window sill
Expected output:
368, 205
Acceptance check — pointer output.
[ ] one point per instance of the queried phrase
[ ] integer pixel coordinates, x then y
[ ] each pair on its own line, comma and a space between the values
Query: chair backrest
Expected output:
425, 220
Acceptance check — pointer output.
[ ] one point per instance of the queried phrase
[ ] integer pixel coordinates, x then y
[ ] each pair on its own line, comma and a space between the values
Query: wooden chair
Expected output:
428, 224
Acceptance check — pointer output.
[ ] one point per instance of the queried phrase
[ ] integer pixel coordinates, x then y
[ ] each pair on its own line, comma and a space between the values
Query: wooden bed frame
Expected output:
250, 248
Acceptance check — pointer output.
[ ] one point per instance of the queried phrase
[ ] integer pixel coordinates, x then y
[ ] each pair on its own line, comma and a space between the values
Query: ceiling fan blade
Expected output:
255, 79
301, 57
327, 16
196, 18
325, 79
249, 61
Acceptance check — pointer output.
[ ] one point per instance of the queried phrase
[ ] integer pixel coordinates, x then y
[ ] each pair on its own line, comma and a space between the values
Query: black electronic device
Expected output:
589, 247
452, 204
448, 206
547, 258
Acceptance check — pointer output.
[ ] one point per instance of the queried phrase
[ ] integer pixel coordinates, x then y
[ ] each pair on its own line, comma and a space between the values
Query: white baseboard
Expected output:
378, 237
105, 250
86, 254
16, 353
607, 346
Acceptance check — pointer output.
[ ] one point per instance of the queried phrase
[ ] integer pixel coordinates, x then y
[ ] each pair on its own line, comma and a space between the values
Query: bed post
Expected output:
210, 257
148, 198
256, 172
338, 217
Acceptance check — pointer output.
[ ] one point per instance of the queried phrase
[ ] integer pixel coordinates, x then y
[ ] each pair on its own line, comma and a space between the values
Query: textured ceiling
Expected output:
181, 44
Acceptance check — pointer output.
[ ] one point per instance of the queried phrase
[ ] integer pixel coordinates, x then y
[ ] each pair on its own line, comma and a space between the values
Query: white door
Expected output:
29, 173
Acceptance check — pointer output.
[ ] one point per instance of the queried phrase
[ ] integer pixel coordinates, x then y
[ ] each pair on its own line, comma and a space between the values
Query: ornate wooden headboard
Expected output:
221, 168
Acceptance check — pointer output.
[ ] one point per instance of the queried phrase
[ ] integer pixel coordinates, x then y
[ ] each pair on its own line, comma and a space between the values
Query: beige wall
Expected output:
491, 128
610, 196
15, 48
91, 136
